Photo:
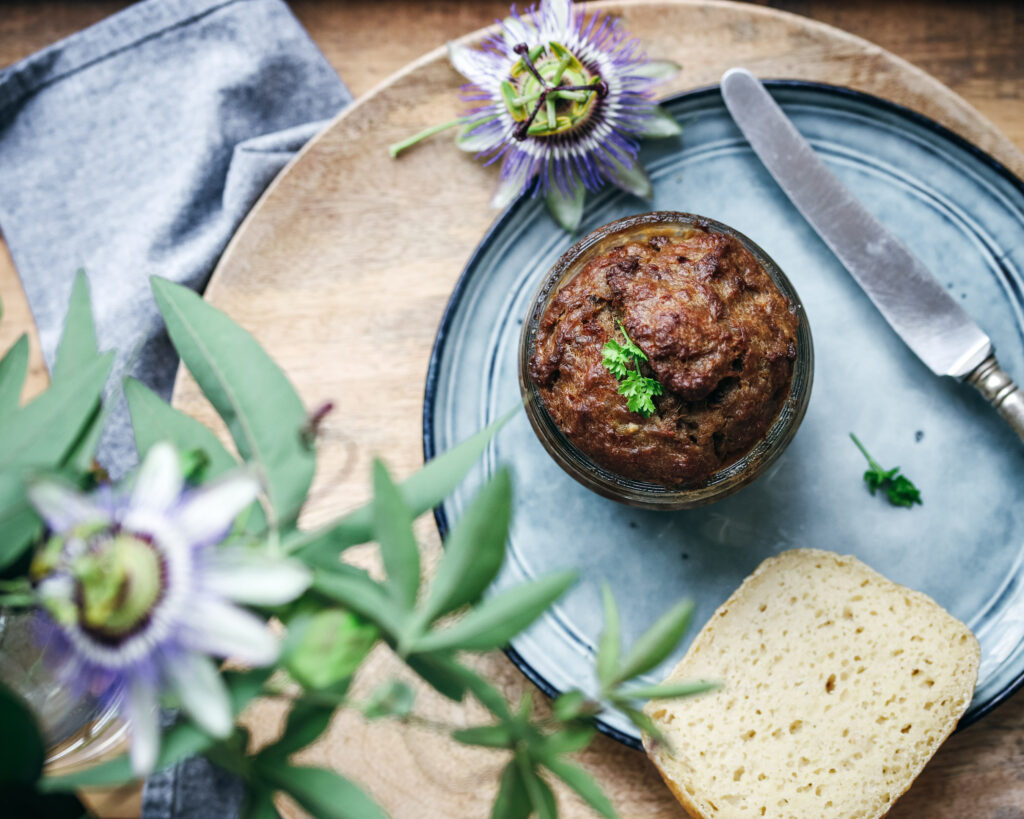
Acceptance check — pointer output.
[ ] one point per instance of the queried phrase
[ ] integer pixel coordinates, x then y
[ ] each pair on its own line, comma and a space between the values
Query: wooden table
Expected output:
973, 47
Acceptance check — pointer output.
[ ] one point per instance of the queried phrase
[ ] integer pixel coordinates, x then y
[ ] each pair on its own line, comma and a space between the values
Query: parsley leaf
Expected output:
898, 488
623, 361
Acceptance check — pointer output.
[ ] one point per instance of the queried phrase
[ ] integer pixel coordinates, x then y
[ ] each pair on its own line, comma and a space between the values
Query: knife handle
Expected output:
1000, 391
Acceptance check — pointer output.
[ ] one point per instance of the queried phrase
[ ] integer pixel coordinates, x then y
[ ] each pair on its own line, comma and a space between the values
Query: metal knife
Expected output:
916, 306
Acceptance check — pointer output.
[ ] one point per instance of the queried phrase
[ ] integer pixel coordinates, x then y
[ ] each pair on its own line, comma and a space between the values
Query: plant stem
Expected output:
398, 147
864, 452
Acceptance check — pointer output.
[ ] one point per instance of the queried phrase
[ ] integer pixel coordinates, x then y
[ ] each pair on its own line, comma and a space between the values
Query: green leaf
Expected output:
666, 691
41, 432
392, 699
541, 797
354, 589
22, 751
474, 551
660, 124
610, 644
323, 793
18, 521
567, 740
154, 420
305, 723
83, 451
568, 705
421, 492
633, 179
13, 369
656, 69
78, 343
583, 783
487, 736
497, 620
327, 647
177, 743
512, 802
566, 208
392, 526
657, 642
442, 672
250, 392
259, 804
643, 722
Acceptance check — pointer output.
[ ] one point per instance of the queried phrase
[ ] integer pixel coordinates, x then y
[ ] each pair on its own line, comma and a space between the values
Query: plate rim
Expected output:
458, 291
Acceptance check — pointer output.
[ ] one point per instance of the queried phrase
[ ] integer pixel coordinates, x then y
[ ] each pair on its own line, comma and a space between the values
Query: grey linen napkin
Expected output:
135, 148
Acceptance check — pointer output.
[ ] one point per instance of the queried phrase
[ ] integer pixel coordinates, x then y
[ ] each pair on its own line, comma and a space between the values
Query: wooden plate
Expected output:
342, 270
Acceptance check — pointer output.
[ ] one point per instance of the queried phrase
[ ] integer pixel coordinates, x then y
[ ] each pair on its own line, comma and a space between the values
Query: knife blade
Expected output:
916, 306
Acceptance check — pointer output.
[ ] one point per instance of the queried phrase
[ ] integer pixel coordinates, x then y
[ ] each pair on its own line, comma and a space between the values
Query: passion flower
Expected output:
137, 595
561, 100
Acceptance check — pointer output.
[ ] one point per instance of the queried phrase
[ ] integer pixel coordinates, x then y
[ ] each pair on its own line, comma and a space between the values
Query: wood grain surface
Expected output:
343, 270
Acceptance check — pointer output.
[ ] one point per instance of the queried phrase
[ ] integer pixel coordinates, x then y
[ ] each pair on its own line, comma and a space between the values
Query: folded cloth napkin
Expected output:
135, 148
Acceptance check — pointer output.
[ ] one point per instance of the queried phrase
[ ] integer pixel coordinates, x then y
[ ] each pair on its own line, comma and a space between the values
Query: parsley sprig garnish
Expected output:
898, 488
623, 361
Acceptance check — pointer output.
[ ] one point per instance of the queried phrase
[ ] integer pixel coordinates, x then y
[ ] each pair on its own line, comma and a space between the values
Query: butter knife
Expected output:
923, 314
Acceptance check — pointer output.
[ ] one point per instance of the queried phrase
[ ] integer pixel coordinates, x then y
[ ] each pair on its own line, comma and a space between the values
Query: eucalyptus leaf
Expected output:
177, 743
610, 644
13, 369
643, 722
42, 432
324, 793
249, 391
566, 207
392, 699
541, 797
442, 672
474, 551
354, 589
154, 420
656, 69
487, 736
259, 804
306, 722
583, 783
567, 740
77, 347
659, 124
512, 802
657, 642
327, 647
22, 750
498, 619
392, 526
83, 451
421, 492
666, 691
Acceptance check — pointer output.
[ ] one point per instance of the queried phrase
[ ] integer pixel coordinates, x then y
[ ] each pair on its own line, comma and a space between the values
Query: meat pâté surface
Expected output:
719, 336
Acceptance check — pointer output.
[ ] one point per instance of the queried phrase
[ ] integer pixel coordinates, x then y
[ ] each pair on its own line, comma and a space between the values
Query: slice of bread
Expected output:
838, 686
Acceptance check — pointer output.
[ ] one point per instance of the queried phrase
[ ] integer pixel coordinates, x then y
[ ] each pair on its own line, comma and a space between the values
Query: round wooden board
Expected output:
342, 271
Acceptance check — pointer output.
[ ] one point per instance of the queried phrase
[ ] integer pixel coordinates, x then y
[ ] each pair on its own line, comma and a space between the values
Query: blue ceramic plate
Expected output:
959, 210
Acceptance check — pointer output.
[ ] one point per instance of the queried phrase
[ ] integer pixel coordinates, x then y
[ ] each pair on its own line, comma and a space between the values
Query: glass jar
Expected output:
580, 466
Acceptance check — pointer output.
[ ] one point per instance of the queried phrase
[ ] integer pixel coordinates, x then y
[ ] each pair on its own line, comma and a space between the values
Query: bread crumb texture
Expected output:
839, 685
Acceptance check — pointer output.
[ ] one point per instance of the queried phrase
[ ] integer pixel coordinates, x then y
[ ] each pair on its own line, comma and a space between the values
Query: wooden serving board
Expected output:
343, 269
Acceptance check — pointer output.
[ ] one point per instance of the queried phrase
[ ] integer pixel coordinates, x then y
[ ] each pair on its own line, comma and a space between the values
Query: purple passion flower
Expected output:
137, 595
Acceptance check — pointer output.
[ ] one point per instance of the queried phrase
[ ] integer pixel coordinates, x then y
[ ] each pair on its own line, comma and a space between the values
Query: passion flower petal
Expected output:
145, 726
202, 693
159, 480
205, 517
64, 508
255, 578
224, 630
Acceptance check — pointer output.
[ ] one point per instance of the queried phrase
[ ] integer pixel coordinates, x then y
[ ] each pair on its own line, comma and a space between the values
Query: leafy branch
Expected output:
898, 488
